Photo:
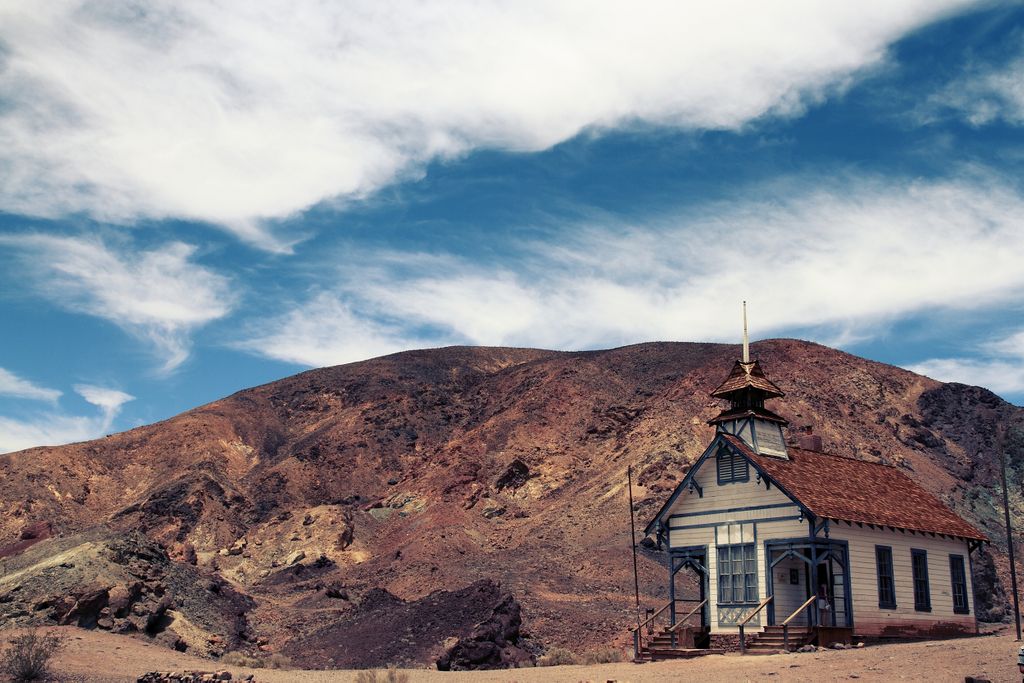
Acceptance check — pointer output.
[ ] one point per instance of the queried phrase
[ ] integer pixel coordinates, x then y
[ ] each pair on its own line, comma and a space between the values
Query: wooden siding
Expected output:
726, 496
741, 512
869, 619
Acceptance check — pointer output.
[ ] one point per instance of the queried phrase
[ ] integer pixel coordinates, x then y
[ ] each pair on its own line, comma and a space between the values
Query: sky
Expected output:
199, 197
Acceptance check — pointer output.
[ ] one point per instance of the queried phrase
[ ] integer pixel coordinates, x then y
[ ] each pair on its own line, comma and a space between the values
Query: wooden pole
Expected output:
632, 542
1009, 541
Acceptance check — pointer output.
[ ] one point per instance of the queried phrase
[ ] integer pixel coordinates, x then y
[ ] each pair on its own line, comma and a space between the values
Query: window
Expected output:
886, 583
731, 467
959, 577
922, 594
737, 574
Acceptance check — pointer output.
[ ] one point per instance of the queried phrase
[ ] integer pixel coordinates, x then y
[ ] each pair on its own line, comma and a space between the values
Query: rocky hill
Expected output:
396, 484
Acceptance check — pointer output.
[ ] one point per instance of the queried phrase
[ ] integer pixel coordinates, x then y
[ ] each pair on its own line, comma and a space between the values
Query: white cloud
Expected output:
55, 428
997, 365
110, 400
160, 296
843, 257
242, 112
1001, 376
983, 95
16, 387
325, 331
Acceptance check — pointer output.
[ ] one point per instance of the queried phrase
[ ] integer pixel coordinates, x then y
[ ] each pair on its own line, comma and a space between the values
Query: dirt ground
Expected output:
100, 657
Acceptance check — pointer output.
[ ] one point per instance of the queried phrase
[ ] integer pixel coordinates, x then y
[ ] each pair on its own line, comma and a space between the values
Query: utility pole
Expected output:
1009, 540
632, 543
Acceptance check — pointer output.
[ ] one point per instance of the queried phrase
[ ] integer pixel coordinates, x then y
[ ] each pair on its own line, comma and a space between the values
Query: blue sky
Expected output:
198, 198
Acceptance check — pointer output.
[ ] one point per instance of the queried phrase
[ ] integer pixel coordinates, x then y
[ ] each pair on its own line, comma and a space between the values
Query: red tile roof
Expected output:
744, 375
834, 487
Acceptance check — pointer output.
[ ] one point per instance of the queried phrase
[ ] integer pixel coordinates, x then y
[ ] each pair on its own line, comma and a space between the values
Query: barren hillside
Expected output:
396, 483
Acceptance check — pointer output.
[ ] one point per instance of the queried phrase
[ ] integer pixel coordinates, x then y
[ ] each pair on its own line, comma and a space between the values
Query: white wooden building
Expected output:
831, 546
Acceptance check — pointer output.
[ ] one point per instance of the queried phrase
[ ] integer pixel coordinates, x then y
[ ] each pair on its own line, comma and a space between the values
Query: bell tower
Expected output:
747, 388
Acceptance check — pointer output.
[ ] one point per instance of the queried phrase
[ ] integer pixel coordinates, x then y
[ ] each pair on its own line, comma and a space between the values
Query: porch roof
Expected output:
836, 487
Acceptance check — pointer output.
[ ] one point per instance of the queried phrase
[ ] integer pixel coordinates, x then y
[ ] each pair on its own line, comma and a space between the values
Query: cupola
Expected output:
747, 388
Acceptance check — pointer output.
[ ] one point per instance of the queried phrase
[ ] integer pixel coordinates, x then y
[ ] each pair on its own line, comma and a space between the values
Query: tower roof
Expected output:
747, 376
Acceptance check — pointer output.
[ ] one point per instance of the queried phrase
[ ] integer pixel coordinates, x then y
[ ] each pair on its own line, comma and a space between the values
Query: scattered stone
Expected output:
492, 511
839, 646
295, 558
860, 645
808, 648
514, 477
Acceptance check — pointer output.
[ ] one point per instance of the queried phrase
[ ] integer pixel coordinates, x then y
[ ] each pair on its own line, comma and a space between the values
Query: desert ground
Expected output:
95, 656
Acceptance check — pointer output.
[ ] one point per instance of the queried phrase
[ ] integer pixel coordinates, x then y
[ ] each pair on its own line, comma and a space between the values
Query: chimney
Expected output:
809, 441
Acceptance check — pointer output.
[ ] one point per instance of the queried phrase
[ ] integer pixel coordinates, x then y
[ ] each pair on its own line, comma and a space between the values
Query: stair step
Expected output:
677, 653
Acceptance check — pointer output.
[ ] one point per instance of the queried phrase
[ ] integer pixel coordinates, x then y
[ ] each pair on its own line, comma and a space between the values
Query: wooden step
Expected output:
677, 653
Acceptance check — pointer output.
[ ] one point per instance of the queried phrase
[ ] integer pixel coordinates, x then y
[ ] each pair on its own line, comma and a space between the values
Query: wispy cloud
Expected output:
237, 114
842, 256
16, 387
159, 296
984, 94
53, 428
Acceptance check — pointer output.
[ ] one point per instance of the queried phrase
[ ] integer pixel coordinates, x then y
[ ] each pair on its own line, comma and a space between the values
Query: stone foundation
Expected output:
728, 642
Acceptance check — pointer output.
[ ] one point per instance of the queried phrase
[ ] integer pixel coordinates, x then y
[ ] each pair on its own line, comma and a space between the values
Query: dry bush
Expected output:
558, 656
392, 675
274, 661
277, 661
236, 658
605, 655
27, 657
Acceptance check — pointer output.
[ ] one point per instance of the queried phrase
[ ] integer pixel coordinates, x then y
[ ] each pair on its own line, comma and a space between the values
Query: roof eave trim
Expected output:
683, 485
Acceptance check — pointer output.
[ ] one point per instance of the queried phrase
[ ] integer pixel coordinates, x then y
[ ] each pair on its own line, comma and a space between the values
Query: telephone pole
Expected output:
1009, 540
632, 543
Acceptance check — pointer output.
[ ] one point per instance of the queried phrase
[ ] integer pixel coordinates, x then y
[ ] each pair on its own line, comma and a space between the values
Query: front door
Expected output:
689, 587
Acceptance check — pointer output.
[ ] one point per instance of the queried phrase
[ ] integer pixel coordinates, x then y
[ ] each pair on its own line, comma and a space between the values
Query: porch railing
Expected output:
648, 625
743, 623
791, 617
682, 622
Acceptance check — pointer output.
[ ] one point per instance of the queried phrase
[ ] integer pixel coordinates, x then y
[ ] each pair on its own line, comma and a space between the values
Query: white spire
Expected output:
746, 339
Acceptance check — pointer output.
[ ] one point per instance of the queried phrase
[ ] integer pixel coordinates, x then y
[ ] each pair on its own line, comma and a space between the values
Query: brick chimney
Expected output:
809, 441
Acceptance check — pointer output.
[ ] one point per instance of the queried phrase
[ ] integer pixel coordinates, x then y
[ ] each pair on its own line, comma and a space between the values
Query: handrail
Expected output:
650, 618
682, 622
743, 624
759, 608
800, 609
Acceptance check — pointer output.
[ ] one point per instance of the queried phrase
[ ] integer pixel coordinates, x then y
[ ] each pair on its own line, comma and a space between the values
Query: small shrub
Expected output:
278, 661
392, 675
558, 656
28, 656
236, 658
605, 655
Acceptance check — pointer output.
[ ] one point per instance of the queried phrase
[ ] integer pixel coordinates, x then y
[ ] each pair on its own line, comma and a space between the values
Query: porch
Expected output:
807, 584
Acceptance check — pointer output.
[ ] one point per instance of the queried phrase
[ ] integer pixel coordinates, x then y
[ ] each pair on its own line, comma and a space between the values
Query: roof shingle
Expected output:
834, 487
744, 375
